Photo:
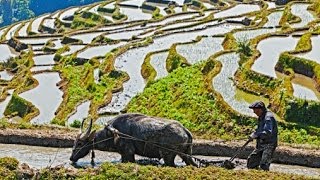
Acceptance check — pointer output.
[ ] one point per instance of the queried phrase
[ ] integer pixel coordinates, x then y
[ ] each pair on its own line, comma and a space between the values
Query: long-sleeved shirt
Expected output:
267, 130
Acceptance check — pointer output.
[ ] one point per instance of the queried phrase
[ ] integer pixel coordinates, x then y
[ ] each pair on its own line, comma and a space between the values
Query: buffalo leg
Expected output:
127, 151
168, 159
127, 158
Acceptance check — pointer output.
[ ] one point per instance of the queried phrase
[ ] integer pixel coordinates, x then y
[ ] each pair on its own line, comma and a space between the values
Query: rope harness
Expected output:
117, 134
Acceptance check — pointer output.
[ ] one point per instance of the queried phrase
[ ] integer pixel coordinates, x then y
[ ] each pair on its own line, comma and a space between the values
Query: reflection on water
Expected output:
97, 51
303, 87
273, 19
6, 52
86, 37
36, 23
236, 99
81, 112
314, 54
46, 96
23, 30
67, 13
11, 32
250, 34
41, 68
44, 59
4, 103
270, 50
135, 14
5, 75
41, 157
131, 61
237, 10
158, 62
301, 10
202, 50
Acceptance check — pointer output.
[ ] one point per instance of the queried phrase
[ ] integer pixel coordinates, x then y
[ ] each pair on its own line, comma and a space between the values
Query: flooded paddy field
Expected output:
42, 157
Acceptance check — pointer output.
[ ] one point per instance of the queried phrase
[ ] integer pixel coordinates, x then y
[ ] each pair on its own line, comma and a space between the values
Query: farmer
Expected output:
266, 136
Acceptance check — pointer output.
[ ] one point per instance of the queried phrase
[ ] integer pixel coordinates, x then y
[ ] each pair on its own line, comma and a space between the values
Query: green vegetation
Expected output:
288, 17
87, 19
304, 43
117, 15
20, 107
9, 170
183, 96
8, 167
175, 60
76, 124
156, 14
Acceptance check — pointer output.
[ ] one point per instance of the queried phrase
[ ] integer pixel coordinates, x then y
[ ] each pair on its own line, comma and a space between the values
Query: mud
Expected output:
63, 138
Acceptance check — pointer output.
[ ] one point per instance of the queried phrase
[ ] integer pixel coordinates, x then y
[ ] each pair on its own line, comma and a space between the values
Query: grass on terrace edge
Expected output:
9, 169
182, 96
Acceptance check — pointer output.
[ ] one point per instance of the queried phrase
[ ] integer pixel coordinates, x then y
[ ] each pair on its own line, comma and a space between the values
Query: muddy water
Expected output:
236, 99
46, 96
131, 61
41, 157
81, 112
270, 50
158, 62
314, 54
301, 11
4, 103
303, 87
201, 50
237, 10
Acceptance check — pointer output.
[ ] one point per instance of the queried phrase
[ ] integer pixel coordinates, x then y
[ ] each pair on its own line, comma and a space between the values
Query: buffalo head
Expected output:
83, 143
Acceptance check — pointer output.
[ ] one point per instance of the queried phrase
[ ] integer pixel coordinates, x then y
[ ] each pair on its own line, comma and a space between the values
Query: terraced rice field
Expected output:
122, 43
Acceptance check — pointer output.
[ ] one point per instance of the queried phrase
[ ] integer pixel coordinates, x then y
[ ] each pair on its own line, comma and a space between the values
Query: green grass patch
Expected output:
20, 107
88, 19
132, 171
183, 96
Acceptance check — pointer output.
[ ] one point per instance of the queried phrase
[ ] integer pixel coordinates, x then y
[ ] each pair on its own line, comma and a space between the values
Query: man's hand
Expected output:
253, 136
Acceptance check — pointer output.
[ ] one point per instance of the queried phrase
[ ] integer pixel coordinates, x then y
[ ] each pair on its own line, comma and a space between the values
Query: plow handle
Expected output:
239, 150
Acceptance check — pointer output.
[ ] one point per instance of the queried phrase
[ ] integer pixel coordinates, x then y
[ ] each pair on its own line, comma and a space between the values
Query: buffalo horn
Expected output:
87, 133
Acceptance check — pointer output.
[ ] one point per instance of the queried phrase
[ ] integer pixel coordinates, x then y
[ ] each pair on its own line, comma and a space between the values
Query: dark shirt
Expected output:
267, 130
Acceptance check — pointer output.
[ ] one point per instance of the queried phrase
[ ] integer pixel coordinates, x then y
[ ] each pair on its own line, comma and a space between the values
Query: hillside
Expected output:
12, 11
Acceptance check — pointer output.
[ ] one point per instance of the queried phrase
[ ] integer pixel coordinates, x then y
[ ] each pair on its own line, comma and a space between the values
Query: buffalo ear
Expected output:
92, 135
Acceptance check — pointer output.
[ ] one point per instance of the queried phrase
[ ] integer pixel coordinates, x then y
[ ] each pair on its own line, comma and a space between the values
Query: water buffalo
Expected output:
131, 134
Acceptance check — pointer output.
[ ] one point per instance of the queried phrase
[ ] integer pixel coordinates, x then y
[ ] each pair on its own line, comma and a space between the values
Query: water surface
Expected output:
46, 96
81, 112
270, 50
201, 50
158, 62
314, 54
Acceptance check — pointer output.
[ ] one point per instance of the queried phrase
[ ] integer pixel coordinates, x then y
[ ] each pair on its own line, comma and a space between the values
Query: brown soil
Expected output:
63, 137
